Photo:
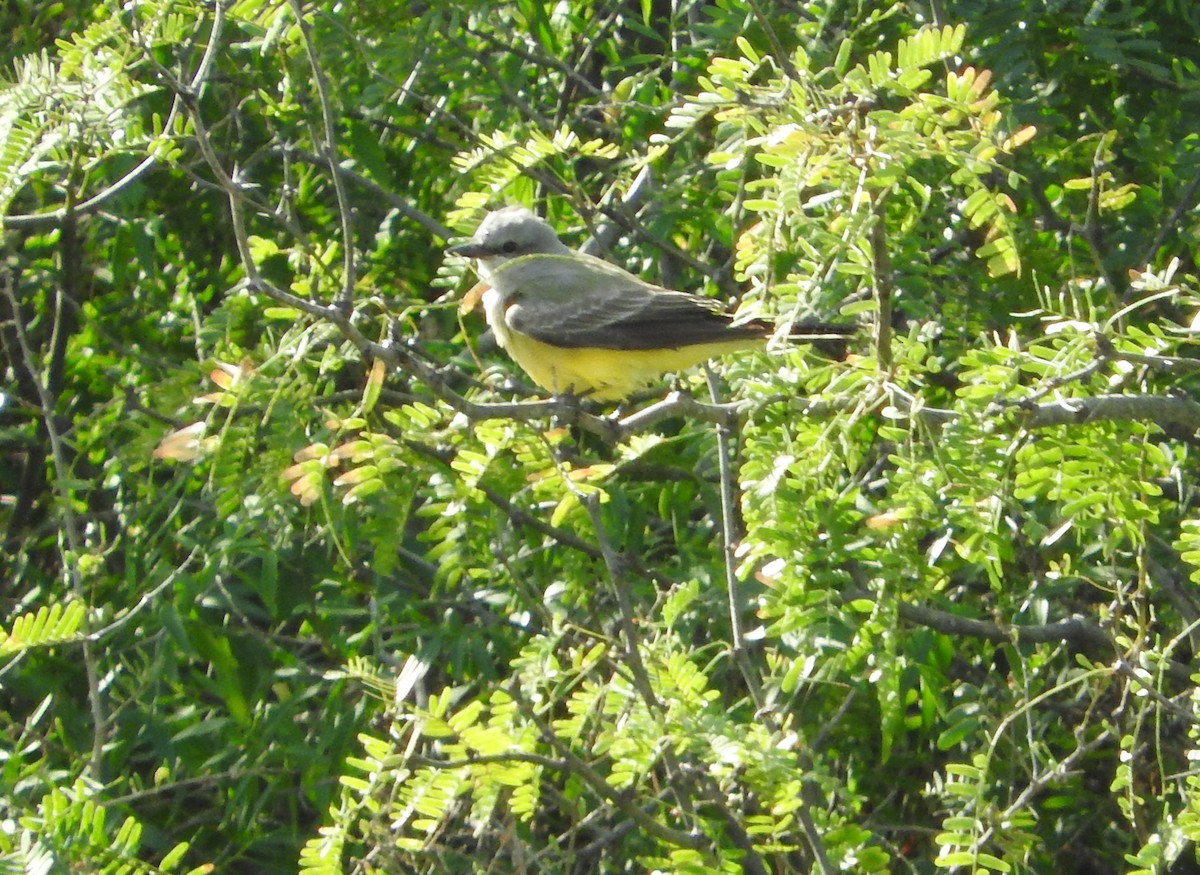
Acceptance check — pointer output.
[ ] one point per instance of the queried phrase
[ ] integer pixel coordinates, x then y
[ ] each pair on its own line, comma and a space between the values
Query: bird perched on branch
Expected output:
577, 324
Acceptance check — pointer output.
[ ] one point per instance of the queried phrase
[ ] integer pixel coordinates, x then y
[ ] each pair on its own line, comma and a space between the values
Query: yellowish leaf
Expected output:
182, 445
1020, 138
472, 298
374, 384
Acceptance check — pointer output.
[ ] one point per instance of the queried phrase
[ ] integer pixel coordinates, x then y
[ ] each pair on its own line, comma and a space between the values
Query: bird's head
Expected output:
509, 233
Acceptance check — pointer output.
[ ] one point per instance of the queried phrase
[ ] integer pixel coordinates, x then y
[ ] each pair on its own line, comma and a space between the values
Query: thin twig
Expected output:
777, 50
620, 588
393, 200
178, 103
1077, 633
329, 147
882, 270
729, 539
607, 232
1092, 229
146, 600
71, 525
1183, 205
600, 786
810, 793
1123, 668
1162, 410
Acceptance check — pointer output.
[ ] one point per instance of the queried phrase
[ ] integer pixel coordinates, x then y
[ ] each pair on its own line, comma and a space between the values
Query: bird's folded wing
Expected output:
580, 304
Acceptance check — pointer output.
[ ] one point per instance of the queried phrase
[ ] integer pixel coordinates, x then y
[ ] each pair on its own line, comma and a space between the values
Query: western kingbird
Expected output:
577, 324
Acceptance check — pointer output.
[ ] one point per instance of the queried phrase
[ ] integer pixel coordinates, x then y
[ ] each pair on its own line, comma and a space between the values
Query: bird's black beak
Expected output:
470, 250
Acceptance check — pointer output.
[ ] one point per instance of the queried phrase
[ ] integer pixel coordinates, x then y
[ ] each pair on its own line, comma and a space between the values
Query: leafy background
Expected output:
301, 576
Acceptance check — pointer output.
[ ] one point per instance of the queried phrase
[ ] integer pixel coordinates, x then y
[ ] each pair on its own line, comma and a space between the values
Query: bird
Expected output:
581, 326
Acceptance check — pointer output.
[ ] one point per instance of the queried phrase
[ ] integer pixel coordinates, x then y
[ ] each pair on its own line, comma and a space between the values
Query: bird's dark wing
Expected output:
626, 319
582, 302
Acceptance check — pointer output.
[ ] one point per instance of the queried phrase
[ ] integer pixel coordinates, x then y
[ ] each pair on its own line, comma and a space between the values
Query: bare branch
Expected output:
1092, 231
178, 103
616, 573
601, 787
399, 204
72, 525
1078, 634
1168, 363
329, 146
729, 540
516, 514
1186, 200
881, 268
1162, 410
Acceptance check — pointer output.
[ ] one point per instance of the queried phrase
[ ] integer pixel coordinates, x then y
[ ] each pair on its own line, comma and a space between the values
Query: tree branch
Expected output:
72, 526
1078, 634
178, 104
881, 268
729, 540
399, 204
573, 765
1162, 410
1186, 200
600, 786
345, 299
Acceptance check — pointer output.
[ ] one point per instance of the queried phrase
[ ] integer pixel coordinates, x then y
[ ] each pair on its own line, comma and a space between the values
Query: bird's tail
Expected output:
830, 339
802, 332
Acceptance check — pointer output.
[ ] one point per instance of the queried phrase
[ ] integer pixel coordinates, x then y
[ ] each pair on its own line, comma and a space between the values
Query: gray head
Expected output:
510, 232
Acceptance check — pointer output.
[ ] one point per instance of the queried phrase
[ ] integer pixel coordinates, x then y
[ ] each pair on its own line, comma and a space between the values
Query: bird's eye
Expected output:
510, 246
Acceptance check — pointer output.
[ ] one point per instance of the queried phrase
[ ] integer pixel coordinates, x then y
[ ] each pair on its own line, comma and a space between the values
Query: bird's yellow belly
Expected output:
608, 374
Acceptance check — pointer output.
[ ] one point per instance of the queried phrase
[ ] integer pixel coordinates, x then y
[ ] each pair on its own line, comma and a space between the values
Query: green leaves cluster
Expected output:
298, 576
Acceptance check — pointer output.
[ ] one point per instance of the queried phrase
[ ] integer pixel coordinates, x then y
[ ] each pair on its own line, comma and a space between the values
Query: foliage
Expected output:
300, 575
